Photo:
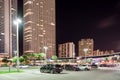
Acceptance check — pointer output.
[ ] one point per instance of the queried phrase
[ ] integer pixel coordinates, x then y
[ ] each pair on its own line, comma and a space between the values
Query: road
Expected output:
34, 74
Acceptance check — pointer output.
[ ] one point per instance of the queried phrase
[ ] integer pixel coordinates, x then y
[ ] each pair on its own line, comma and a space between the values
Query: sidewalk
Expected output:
109, 68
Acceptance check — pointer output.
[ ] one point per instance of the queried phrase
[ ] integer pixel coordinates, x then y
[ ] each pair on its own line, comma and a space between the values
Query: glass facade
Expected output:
8, 13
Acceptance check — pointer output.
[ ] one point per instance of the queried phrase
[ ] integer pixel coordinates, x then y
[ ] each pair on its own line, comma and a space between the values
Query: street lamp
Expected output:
85, 51
15, 53
45, 47
17, 22
73, 56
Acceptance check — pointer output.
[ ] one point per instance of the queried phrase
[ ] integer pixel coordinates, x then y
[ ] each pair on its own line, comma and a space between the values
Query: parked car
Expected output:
84, 67
51, 68
107, 65
94, 65
71, 67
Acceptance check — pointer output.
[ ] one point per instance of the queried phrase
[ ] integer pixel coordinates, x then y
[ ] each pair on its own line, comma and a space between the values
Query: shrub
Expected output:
4, 65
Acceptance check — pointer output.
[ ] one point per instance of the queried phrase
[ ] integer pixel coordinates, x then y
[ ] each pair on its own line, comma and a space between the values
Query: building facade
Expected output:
85, 44
66, 50
8, 13
102, 53
39, 26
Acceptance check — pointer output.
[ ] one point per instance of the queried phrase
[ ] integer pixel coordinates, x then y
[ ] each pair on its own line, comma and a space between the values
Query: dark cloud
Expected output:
110, 21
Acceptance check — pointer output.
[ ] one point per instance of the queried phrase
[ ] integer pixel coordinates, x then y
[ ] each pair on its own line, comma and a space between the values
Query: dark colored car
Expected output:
94, 65
107, 65
71, 67
51, 68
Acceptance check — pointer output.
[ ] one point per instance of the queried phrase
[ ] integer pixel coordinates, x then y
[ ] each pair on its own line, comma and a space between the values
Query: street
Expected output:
34, 74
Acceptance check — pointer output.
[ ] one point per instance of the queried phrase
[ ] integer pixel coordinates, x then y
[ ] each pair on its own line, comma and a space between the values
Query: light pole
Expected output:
17, 22
45, 47
73, 56
15, 53
85, 51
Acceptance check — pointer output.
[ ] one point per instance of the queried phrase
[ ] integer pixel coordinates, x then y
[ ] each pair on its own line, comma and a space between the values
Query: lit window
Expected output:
41, 35
28, 13
41, 20
44, 31
28, 2
28, 41
28, 10
50, 46
28, 28
0, 39
52, 24
38, 24
37, 3
51, 8
2, 33
13, 9
28, 22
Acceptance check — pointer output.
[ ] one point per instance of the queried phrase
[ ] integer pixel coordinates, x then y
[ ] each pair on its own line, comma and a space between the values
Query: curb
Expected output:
109, 68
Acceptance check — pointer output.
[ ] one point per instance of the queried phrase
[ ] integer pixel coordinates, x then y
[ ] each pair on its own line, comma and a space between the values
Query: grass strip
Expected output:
12, 71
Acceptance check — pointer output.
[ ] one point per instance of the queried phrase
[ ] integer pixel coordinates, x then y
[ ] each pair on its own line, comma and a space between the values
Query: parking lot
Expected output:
35, 74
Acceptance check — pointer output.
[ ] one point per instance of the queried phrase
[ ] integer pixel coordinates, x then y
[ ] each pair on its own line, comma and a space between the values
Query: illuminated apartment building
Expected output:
102, 53
39, 26
83, 44
66, 50
8, 13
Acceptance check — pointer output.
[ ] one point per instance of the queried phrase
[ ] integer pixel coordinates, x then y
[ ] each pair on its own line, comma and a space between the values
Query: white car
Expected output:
84, 67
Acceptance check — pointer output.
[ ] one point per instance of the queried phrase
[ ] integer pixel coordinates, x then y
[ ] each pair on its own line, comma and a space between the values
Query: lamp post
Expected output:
45, 47
15, 53
17, 22
73, 56
85, 51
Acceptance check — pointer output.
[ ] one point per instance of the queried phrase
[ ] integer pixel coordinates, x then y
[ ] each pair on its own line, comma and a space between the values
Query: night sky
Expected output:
100, 20
97, 19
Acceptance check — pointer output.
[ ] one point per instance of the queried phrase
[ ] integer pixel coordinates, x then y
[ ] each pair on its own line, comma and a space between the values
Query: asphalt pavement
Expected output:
34, 74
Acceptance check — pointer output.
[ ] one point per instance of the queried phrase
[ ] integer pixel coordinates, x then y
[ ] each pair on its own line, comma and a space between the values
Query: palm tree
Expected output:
35, 56
26, 59
41, 56
21, 59
15, 59
54, 57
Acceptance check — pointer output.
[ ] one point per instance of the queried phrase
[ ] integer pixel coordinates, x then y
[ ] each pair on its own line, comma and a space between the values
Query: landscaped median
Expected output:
11, 71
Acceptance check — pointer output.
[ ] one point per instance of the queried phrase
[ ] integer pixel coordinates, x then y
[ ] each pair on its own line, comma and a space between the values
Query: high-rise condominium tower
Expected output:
8, 13
87, 44
39, 26
66, 50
